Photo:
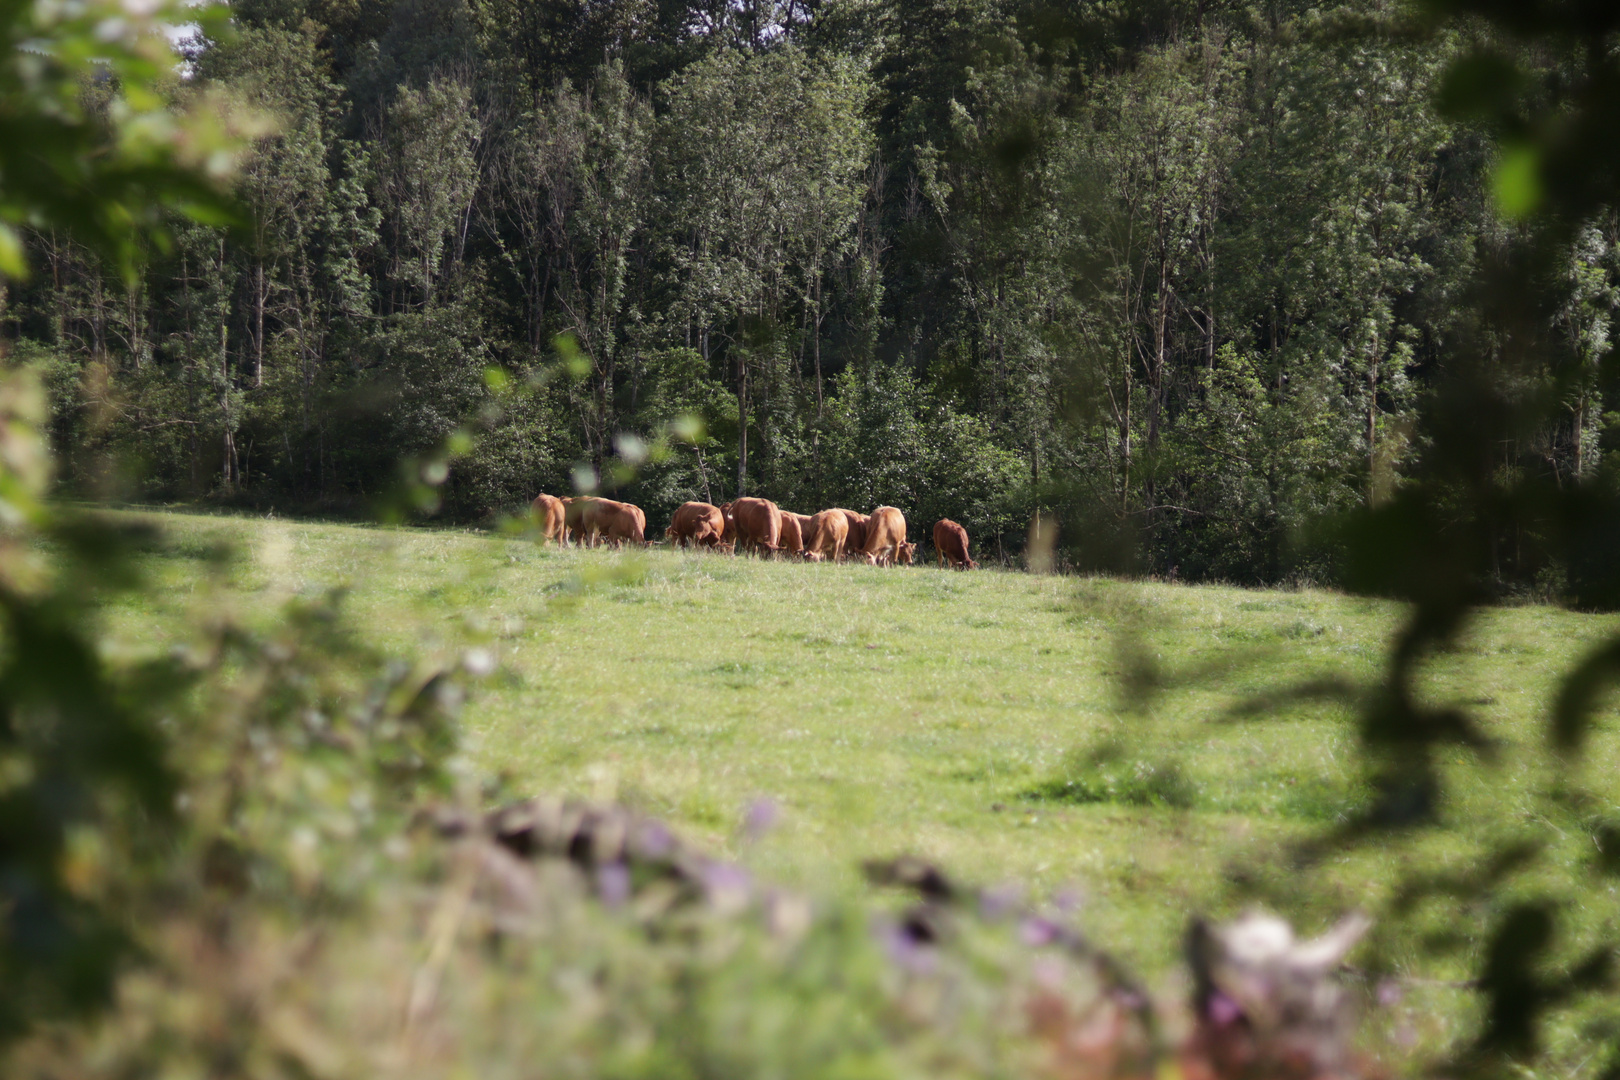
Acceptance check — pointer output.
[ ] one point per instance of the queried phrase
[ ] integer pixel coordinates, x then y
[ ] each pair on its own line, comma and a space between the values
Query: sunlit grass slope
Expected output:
979, 719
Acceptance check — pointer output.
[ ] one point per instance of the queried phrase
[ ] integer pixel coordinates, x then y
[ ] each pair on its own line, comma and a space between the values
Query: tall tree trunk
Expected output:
815, 436
742, 424
1125, 442
816, 347
258, 322
1209, 310
227, 469
1372, 425
1580, 435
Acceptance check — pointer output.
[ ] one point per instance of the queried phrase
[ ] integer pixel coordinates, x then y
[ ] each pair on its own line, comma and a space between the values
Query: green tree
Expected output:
749, 210
424, 174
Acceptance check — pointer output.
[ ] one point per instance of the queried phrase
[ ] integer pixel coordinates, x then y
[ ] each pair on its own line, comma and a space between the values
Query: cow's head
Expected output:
904, 552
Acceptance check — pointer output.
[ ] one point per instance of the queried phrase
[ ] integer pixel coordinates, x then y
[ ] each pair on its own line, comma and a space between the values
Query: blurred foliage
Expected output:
131, 787
257, 760
95, 138
1477, 495
77, 746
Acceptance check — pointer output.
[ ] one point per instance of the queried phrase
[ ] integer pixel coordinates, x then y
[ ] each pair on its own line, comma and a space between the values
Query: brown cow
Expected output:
695, 524
591, 519
753, 523
795, 532
580, 516
574, 509
885, 537
617, 522
549, 515
856, 538
951, 545
828, 532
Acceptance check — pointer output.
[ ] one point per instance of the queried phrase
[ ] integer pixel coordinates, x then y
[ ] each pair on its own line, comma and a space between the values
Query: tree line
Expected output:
1177, 274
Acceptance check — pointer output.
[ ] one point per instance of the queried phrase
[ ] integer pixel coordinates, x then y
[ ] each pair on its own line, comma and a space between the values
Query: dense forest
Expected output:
1177, 273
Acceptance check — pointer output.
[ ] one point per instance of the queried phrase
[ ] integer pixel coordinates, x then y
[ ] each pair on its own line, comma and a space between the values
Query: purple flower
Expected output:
653, 840
761, 817
613, 883
1389, 992
727, 887
1130, 1000
1222, 1010
905, 951
1069, 899
998, 901
1036, 931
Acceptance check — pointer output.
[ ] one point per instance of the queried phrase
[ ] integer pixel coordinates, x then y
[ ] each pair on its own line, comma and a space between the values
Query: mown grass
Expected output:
1074, 734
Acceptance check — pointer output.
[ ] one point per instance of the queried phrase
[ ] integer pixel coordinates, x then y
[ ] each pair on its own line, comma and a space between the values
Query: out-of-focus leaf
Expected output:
1516, 184
575, 362
13, 263
1579, 695
1480, 86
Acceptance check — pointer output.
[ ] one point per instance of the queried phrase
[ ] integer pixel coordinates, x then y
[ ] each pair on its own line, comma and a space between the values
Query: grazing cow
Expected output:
697, 524
549, 515
795, 532
641, 521
828, 532
617, 522
575, 511
856, 538
951, 545
754, 523
885, 537
591, 519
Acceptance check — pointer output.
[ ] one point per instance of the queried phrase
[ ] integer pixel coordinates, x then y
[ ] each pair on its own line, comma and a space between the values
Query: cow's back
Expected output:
549, 515
951, 541
828, 533
795, 531
697, 521
618, 521
885, 531
758, 521
855, 538
640, 517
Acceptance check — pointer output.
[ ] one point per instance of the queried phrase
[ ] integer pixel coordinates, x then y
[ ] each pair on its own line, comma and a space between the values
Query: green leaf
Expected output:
1516, 181
13, 262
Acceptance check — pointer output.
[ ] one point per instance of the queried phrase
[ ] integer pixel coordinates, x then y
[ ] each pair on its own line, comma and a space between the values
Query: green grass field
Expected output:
978, 719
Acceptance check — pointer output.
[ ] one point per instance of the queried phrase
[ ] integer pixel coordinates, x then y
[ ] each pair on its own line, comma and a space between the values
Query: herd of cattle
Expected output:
754, 525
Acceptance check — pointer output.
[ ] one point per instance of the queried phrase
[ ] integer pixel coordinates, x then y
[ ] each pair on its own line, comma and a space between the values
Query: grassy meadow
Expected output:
1075, 735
